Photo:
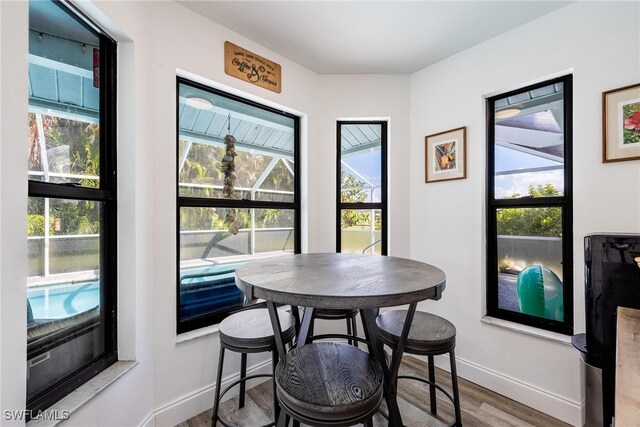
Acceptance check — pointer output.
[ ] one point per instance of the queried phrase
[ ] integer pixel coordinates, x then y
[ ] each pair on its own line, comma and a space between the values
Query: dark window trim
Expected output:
382, 205
565, 202
108, 236
215, 318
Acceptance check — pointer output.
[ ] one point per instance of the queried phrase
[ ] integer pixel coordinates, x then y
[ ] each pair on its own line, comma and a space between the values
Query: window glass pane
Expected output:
361, 231
64, 98
210, 253
233, 150
529, 143
278, 185
361, 162
70, 243
263, 148
205, 236
274, 230
63, 289
530, 261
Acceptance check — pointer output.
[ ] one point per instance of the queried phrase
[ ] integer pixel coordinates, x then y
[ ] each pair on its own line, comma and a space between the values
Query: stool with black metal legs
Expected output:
430, 336
245, 332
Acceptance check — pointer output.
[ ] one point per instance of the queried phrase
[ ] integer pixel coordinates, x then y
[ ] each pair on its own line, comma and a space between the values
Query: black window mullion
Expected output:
201, 202
66, 191
530, 202
363, 205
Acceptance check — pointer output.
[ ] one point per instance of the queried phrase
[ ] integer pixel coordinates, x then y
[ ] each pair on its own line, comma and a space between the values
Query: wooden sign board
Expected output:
253, 68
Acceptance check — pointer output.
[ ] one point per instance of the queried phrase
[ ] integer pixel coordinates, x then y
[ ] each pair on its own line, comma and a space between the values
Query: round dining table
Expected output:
346, 282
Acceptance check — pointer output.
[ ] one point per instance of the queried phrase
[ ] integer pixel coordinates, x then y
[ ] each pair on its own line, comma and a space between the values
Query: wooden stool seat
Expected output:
251, 329
329, 383
429, 334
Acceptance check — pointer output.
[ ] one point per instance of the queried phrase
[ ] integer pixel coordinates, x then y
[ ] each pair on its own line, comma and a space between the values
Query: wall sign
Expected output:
252, 68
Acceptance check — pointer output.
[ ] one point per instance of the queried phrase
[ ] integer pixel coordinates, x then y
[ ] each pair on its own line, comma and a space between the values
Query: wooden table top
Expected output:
628, 367
340, 281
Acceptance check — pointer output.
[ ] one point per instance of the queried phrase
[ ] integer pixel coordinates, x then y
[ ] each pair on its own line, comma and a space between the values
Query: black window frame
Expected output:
209, 319
382, 205
107, 194
564, 202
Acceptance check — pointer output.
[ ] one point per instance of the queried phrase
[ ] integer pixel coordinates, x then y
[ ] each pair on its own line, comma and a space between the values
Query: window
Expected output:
71, 146
238, 196
362, 187
529, 230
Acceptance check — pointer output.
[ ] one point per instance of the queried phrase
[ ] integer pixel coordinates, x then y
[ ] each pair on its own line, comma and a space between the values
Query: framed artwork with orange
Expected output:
446, 155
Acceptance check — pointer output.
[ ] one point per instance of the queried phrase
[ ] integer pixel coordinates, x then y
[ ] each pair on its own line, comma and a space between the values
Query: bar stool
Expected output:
329, 384
348, 315
430, 335
245, 332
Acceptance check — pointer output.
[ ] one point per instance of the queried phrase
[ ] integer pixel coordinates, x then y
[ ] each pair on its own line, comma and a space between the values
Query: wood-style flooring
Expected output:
480, 406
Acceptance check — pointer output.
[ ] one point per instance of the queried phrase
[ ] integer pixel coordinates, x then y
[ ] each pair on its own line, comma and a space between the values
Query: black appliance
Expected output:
612, 279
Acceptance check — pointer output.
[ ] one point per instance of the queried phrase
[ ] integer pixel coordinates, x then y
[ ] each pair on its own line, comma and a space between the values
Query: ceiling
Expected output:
370, 37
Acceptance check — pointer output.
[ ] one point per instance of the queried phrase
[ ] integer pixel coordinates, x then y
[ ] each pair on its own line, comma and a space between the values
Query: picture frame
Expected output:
621, 124
446, 155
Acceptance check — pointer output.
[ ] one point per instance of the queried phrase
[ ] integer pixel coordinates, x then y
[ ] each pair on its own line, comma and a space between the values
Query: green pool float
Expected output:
540, 293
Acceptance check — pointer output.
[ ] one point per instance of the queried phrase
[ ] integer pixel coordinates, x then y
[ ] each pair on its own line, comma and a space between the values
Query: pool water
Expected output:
208, 289
203, 289
63, 300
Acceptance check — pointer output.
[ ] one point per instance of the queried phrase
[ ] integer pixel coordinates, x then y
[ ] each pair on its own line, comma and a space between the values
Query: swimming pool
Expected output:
205, 290
202, 289
63, 299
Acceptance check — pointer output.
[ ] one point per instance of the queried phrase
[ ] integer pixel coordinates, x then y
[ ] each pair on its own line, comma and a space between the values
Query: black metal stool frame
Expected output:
432, 379
244, 351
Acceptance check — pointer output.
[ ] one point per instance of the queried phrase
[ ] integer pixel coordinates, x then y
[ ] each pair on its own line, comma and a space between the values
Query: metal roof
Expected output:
251, 133
60, 89
359, 137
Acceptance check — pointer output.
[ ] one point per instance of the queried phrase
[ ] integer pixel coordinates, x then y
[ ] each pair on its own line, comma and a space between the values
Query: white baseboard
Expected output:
149, 421
542, 400
199, 401
559, 407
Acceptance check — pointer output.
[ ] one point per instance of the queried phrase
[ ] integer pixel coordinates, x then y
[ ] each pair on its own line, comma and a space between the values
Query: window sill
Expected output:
528, 330
83, 394
198, 333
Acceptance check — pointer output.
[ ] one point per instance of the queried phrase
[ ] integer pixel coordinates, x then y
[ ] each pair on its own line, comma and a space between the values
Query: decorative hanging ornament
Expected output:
229, 168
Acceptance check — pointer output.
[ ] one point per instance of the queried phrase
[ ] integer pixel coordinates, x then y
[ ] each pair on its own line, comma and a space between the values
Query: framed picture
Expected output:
621, 124
446, 155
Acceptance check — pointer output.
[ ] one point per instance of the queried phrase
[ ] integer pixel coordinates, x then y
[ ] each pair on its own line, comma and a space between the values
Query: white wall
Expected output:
13, 249
600, 43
